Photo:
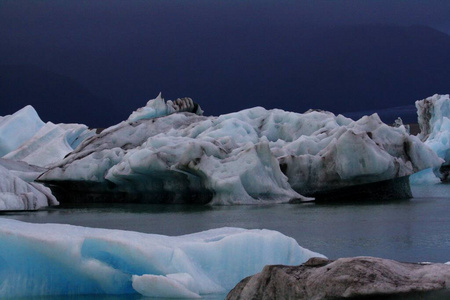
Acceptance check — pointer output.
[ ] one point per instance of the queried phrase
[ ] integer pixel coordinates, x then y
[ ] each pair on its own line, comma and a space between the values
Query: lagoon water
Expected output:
414, 230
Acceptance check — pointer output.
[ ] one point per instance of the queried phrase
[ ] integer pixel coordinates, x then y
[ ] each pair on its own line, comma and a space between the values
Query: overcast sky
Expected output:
129, 51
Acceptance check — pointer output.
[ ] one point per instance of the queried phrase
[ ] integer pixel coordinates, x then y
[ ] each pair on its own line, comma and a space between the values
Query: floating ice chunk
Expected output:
432, 113
52, 259
363, 151
424, 177
251, 156
433, 116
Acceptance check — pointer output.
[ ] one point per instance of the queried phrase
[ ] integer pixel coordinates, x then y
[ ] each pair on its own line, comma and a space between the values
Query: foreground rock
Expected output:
320, 278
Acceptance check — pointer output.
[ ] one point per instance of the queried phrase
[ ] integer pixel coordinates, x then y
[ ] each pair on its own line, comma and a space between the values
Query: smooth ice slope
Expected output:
51, 259
17, 128
50, 144
24, 137
251, 156
434, 121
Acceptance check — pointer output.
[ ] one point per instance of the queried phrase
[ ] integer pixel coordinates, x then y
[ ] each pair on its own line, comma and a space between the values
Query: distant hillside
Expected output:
231, 65
372, 67
347, 68
56, 98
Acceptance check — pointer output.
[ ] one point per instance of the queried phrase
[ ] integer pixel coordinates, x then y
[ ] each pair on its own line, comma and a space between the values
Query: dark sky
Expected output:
113, 56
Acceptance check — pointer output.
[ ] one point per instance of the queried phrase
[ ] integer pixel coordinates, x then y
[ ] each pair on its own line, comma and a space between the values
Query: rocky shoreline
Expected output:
355, 278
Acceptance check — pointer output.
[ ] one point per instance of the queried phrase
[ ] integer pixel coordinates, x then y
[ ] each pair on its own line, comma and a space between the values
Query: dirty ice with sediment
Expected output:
169, 149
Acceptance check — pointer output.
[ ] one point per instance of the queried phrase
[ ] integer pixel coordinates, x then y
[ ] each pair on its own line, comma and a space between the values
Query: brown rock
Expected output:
356, 277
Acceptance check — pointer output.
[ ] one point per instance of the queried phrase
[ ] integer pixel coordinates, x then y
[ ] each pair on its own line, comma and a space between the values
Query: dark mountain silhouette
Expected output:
375, 67
55, 97
232, 64
342, 69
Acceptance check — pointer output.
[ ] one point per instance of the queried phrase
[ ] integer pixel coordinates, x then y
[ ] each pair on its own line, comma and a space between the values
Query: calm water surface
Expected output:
411, 230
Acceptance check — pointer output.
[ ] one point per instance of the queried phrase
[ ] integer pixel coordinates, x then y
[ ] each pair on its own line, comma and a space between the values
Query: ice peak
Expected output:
158, 107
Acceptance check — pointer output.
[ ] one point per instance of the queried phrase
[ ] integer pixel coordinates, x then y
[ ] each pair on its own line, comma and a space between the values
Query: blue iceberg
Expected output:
53, 259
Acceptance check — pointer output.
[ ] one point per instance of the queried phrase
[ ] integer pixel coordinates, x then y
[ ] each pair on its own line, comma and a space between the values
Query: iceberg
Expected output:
251, 156
53, 259
25, 137
434, 122
27, 145
17, 128
24, 171
16, 193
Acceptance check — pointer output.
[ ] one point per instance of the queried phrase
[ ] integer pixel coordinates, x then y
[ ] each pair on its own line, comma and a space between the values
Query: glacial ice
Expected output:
25, 137
251, 156
54, 259
22, 170
434, 121
25, 140
18, 194
17, 128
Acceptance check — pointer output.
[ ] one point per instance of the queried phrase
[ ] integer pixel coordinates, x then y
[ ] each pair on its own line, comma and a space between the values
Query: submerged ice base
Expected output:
52, 259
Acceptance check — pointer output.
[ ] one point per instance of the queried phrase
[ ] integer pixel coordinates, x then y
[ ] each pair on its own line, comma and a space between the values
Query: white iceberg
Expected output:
51, 259
434, 121
18, 194
252, 156
17, 128
25, 140
24, 137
